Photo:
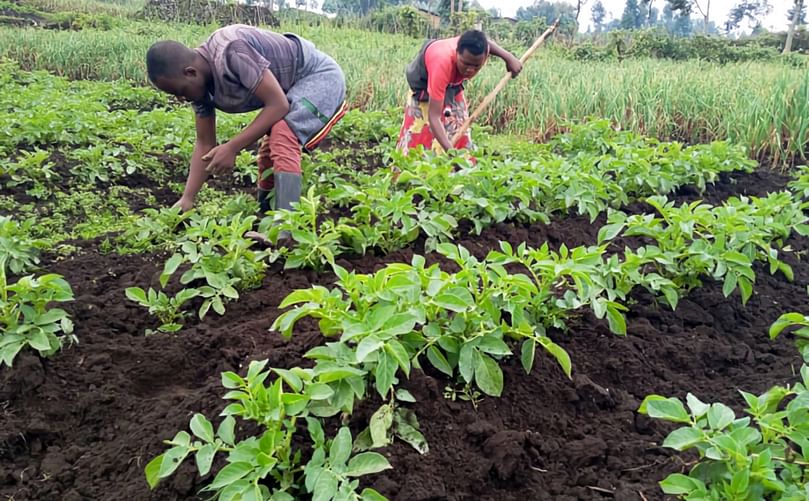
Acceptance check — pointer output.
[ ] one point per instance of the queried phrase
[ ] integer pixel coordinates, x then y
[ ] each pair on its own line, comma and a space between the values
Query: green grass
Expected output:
761, 105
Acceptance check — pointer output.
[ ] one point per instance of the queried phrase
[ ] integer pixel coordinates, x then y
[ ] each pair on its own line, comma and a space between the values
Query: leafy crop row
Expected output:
697, 240
433, 195
101, 131
448, 316
763, 456
463, 324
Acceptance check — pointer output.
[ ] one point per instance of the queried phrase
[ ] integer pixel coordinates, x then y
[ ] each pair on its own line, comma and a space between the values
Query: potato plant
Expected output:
19, 251
798, 325
800, 182
461, 323
154, 229
168, 310
317, 240
763, 456
26, 318
33, 170
388, 219
270, 464
102, 163
218, 262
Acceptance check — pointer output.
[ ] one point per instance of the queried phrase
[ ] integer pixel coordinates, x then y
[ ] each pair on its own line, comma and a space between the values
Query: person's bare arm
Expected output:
513, 64
197, 175
436, 111
276, 106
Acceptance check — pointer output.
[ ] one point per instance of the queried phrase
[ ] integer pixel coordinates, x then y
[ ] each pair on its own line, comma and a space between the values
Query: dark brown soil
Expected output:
141, 184
84, 424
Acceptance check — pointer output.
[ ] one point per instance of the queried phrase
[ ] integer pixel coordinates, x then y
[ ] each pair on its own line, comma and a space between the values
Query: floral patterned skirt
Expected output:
416, 127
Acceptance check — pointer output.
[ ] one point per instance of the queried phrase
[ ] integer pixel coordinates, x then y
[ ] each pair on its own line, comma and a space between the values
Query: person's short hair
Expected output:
473, 41
167, 59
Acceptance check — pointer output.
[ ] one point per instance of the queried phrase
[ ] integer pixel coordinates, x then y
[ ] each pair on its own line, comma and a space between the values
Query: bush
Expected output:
795, 59
658, 44
722, 50
404, 19
588, 51
80, 21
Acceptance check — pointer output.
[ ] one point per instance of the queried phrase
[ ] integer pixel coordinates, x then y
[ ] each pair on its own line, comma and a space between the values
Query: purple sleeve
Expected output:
245, 64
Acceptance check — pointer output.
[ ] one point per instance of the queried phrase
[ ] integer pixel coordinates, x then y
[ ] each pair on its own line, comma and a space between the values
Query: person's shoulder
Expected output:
252, 31
449, 42
442, 47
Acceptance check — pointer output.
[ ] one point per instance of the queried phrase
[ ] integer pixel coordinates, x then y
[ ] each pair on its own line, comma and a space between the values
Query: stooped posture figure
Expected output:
240, 68
436, 110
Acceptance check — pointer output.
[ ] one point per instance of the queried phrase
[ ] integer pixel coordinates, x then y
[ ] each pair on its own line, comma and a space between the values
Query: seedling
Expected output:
465, 393
166, 309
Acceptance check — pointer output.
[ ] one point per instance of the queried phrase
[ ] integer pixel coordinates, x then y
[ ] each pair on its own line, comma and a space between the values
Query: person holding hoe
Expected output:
299, 90
437, 109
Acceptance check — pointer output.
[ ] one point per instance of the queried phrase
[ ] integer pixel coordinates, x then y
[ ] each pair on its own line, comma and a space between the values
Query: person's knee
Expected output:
264, 162
285, 150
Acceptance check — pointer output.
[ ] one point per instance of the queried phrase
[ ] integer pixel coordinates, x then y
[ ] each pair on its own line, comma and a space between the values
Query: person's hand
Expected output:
184, 203
221, 159
441, 149
514, 66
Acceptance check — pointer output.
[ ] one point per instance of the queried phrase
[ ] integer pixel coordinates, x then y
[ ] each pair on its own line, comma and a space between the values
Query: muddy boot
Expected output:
287, 191
263, 197
263, 201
